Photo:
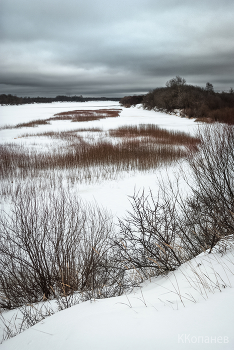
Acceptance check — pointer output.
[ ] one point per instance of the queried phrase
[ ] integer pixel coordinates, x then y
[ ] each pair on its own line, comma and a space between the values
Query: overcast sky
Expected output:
114, 48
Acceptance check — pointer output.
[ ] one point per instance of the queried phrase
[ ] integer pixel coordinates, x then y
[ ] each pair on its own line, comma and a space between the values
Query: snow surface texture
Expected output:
191, 308
111, 194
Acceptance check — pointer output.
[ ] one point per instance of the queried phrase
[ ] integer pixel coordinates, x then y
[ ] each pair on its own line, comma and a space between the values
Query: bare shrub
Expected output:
151, 239
52, 246
158, 235
210, 211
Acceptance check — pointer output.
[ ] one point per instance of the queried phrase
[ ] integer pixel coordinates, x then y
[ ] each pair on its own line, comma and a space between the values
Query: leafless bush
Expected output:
52, 246
159, 235
151, 239
210, 210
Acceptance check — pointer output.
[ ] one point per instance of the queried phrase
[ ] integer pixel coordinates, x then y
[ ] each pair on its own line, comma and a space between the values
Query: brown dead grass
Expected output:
62, 134
141, 148
127, 155
160, 136
74, 116
87, 115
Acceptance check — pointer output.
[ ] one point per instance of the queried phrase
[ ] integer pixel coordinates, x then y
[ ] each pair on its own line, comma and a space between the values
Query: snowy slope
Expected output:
184, 310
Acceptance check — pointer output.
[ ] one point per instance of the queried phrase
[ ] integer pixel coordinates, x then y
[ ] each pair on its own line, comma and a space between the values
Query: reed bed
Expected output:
88, 115
74, 116
30, 124
127, 155
161, 136
88, 158
61, 134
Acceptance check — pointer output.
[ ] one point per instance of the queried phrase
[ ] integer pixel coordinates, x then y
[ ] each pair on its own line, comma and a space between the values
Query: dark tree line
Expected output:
129, 101
15, 100
192, 101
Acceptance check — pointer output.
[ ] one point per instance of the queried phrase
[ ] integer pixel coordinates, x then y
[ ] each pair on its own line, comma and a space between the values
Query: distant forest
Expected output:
204, 104
15, 100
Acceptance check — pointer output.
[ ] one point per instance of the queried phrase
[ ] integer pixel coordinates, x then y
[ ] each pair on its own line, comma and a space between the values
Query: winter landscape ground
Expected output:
190, 307
112, 194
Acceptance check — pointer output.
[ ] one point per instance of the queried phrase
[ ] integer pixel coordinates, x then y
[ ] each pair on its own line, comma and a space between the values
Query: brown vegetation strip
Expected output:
74, 116
88, 115
131, 154
161, 136
31, 124
62, 134
141, 147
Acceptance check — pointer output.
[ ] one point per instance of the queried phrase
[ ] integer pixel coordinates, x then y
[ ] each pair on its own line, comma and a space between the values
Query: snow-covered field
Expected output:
111, 194
191, 308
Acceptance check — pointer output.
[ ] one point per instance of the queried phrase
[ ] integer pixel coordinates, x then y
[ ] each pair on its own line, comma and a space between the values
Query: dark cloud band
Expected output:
108, 47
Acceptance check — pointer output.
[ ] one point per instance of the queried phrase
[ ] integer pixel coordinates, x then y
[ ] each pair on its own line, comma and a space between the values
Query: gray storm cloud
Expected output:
114, 48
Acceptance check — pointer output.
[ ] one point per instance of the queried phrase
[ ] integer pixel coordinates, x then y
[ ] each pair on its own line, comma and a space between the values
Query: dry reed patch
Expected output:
62, 134
161, 136
128, 155
89, 157
87, 115
31, 124
7, 126
74, 116
88, 130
